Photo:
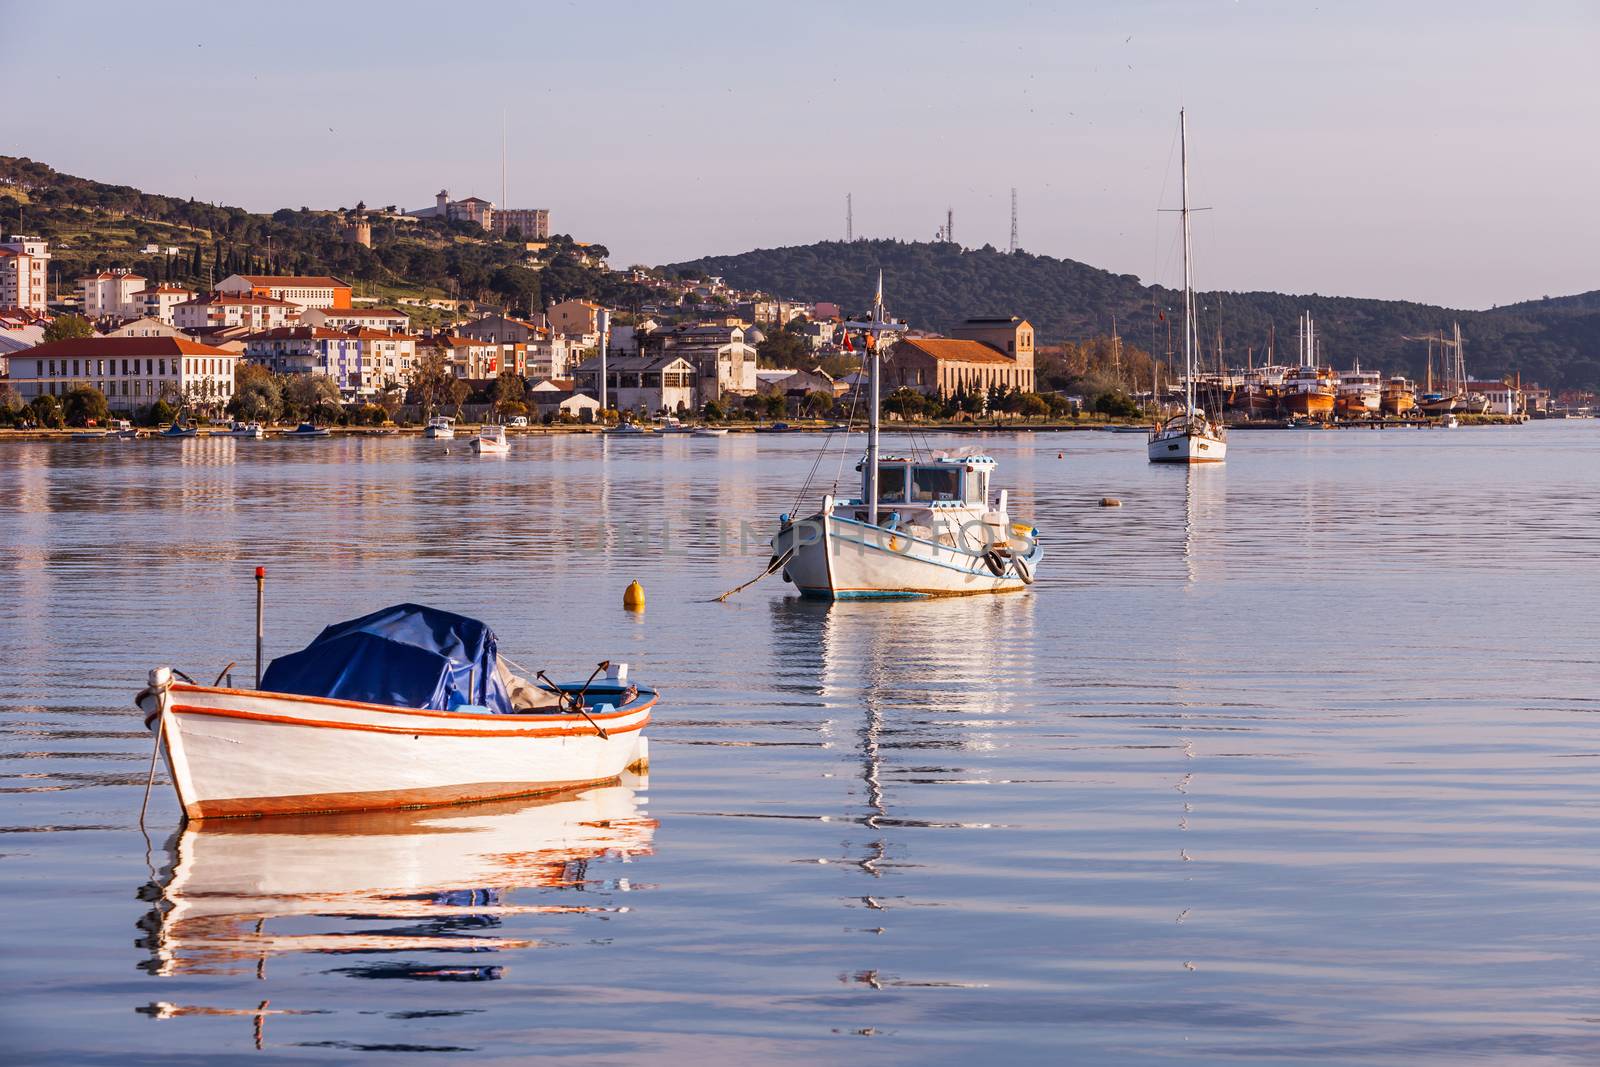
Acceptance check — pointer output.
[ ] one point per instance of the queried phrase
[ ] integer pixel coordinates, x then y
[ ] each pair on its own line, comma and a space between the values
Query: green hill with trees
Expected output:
92, 225
1555, 342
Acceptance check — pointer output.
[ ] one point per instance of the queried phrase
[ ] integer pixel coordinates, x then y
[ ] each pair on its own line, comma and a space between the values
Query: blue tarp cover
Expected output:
406, 656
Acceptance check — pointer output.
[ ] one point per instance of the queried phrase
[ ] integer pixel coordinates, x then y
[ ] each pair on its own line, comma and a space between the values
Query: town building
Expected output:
374, 318
647, 384
158, 302
575, 318
556, 398
19, 331
249, 310
466, 357
24, 273
317, 291
794, 384
146, 326
132, 372
362, 363
109, 294
984, 354
502, 329
532, 223
722, 360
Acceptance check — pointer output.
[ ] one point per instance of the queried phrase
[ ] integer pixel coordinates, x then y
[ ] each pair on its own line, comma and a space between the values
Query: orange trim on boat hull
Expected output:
417, 731
384, 799
179, 687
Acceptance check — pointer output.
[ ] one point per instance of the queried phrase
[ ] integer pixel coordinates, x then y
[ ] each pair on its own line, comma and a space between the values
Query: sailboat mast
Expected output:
871, 340
1188, 279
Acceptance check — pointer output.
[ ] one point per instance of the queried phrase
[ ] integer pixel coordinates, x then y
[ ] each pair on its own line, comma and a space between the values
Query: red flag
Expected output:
847, 346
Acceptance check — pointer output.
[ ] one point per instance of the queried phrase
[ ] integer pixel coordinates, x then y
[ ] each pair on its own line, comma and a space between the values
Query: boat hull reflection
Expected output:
416, 880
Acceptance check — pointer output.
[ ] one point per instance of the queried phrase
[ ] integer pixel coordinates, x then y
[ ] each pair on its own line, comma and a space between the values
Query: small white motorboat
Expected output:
491, 441
122, 430
711, 431
251, 430
440, 428
625, 429
1451, 422
406, 707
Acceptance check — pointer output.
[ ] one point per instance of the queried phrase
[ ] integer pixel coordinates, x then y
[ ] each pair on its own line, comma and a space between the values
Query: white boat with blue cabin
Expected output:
921, 527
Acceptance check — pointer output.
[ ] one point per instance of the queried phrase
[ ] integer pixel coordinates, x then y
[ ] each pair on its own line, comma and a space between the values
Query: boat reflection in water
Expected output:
239, 892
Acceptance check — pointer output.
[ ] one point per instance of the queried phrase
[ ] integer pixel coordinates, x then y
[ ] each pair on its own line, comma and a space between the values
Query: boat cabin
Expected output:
941, 483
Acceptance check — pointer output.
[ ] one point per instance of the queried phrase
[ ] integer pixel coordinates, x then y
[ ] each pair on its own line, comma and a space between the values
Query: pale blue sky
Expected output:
1433, 151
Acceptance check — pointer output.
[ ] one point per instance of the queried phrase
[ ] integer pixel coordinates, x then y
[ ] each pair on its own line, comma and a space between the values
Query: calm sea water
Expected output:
1292, 760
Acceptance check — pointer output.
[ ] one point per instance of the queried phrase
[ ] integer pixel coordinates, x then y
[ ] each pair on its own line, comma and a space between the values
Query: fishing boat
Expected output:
491, 441
440, 428
1360, 394
250, 430
1311, 390
1399, 396
710, 431
625, 429
1451, 422
921, 527
670, 425
406, 707
179, 430
1190, 436
777, 427
306, 429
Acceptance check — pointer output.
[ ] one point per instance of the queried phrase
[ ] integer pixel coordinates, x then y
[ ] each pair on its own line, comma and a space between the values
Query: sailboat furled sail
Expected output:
1190, 437
922, 526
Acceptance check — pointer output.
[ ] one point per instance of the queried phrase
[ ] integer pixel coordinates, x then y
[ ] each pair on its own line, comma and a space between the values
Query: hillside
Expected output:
93, 225
1554, 342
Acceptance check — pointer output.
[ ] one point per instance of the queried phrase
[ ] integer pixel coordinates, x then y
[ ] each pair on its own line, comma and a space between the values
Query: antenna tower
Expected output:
1013, 220
950, 224
849, 219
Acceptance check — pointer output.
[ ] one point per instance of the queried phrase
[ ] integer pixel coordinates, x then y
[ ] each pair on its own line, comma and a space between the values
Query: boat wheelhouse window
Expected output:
935, 483
891, 482
978, 487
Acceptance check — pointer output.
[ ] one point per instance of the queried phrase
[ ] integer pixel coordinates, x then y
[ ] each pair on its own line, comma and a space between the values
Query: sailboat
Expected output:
1190, 437
922, 527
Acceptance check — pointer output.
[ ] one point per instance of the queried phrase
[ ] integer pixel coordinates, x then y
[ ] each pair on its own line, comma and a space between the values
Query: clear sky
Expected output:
1444, 152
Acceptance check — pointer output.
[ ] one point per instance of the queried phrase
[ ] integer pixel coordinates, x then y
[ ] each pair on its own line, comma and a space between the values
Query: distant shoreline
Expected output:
765, 429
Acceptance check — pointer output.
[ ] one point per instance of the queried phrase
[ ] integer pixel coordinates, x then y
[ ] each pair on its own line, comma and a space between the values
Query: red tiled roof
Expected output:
295, 333
295, 281
126, 346
238, 300
949, 349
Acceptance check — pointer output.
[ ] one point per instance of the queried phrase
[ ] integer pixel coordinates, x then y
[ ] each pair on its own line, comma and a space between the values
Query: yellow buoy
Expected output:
633, 597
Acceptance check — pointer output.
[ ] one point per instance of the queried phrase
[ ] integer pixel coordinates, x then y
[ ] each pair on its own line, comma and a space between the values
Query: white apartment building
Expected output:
24, 273
317, 291
110, 294
159, 302
364, 318
132, 372
234, 309
361, 362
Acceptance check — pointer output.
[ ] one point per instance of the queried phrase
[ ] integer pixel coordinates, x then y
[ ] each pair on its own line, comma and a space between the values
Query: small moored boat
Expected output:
406, 707
491, 441
251, 430
177, 429
625, 429
711, 431
306, 429
440, 428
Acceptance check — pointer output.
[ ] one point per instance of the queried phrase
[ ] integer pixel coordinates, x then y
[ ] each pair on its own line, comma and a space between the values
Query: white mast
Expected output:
873, 330
1188, 279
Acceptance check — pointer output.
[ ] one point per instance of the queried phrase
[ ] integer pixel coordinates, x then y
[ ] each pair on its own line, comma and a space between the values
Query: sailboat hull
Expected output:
835, 558
1187, 448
